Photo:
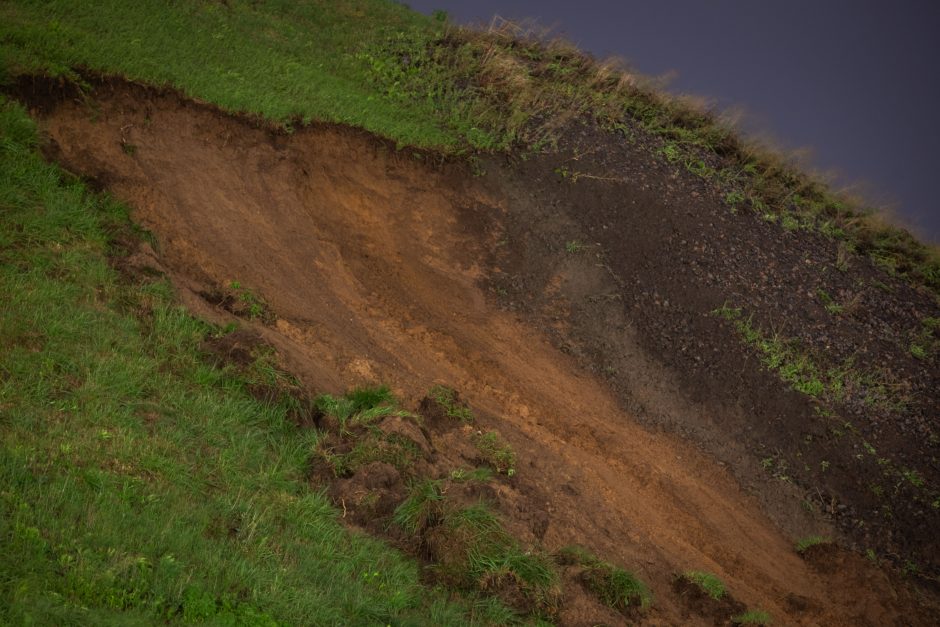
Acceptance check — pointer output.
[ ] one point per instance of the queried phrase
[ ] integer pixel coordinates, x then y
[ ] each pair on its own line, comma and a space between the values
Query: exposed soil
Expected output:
720, 611
657, 253
376, 268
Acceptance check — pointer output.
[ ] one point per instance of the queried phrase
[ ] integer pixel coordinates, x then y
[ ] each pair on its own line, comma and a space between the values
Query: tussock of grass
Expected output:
447, 398
361, 406
808, 542
496, 452
473, 550
422, 508
709, 583
613, 586
142, 484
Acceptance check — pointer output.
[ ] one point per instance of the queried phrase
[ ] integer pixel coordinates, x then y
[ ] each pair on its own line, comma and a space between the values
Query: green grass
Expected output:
614, 586
414, 79
139, 483
829, 303
709, 583
803, 372
422, 508
284, 61
753, 617
496, 452
477, 550
447, 398
804, 544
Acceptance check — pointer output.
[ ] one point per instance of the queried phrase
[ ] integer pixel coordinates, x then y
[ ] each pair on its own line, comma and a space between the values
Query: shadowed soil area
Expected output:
375, 267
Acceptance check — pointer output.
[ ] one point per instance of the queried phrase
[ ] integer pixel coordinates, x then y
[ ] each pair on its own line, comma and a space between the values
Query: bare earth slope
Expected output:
376, 267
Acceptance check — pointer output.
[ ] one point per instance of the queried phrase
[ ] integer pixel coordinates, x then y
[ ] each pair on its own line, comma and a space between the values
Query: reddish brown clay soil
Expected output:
373, 267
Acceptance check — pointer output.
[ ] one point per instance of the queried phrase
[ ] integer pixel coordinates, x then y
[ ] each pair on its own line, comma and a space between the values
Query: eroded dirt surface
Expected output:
372, 265
656, 253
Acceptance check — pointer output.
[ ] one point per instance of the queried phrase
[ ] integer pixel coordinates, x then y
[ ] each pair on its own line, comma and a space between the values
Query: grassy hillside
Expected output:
420, 82
138, 482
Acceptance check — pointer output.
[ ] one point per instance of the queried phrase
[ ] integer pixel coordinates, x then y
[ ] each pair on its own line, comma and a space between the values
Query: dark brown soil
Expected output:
657, 252
377, 269
699, 603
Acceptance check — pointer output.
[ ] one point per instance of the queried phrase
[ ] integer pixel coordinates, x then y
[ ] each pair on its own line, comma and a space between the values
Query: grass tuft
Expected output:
614, 586
447, 398
709, 583
804, 544
753, 617
422, 508
496, 452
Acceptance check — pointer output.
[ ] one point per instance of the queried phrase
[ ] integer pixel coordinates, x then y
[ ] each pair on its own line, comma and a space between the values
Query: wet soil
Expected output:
377, 268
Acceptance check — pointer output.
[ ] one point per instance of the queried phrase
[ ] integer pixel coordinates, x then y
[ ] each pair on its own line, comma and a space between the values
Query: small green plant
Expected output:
753, 617
361, 406
734, 198
616, 587
671, 152
913, 477
789, 223
574, 247
447, 398
248, 303
709, 583
808, 542
831, 305
496, 452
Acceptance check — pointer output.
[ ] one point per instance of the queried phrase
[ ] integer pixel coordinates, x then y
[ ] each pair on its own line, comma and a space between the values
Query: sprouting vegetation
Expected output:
808, 542
707, 582
496, 452
447, 398
614, 586
574, 246
802, 371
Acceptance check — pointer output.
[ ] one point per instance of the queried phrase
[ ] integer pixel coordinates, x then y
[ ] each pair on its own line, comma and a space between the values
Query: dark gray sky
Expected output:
855, 81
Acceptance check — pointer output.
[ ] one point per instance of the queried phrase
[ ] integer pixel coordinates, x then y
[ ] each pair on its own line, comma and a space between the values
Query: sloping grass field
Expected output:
139, 483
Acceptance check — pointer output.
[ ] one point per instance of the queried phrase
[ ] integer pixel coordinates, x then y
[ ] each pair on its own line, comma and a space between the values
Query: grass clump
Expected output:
804, 544
360, 407
707, 582
473, 548
614, 586
496, 452
422, 508
453, 408
829, 303
141, 483
752, 617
